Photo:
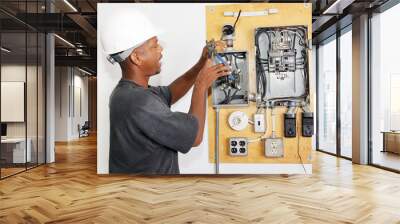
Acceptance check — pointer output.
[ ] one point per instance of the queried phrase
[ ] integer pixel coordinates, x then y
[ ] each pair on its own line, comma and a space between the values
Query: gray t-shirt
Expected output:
145, 135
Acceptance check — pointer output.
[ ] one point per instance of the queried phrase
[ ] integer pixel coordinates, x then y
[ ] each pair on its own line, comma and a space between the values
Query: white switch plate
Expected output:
259, 123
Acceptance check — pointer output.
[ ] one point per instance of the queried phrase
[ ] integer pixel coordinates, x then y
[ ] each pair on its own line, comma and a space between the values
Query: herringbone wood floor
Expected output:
70, 191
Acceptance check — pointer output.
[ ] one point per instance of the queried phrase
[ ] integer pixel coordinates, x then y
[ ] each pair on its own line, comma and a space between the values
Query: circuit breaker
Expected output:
232, 90
238, 146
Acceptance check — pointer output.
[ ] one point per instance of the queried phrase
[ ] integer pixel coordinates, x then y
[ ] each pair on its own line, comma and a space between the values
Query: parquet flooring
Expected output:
70, 191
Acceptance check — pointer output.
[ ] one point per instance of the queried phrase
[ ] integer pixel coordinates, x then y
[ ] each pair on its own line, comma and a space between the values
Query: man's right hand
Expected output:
209, 73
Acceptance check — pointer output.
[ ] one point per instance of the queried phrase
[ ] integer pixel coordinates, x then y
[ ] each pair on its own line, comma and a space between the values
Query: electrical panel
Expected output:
307, 124
281, 59
232, 90
238, 146
290, 125
280, 79
282, 64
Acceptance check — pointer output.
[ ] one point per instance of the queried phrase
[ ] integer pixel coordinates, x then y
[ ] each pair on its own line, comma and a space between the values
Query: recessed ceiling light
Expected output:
5, 50
64, 40
70, 5
84, 71
338, 6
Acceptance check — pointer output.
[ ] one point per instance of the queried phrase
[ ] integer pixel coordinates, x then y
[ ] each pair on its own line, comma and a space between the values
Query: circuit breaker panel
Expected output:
282, 63
261, 112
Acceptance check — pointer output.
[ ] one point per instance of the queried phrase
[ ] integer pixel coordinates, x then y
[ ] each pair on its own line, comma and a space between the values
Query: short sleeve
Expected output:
174, 130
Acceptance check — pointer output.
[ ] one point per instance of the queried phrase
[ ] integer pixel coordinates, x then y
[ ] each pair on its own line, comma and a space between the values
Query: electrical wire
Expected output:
240, 55
255, 139
260, 72
298, 145
235, 61
234, 56
237, 18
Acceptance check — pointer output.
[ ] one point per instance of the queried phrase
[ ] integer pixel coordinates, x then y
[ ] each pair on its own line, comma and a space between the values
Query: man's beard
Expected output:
159, 69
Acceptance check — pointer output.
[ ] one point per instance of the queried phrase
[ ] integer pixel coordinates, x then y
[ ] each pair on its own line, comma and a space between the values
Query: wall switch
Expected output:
238, 146
274, 147
259, 123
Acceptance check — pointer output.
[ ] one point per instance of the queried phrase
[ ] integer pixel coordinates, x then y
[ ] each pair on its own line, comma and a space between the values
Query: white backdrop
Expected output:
183, 38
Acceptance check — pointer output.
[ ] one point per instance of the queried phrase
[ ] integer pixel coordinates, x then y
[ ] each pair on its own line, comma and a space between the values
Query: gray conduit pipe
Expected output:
216, 149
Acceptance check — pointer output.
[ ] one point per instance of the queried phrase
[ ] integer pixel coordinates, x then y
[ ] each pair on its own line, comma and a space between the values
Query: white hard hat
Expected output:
125, 30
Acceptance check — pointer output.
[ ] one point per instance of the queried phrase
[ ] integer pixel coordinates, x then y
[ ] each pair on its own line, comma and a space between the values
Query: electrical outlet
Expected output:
259, 123
274, 147
238, 146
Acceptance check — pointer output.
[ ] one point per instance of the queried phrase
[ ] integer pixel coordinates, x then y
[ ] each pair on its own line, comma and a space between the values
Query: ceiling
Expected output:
76, 21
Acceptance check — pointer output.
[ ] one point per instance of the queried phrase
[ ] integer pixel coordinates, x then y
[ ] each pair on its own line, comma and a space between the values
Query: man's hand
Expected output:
182, 84
209, 73
219, 46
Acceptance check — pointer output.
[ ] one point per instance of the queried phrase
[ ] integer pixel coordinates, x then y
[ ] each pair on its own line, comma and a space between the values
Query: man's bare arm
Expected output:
181, 85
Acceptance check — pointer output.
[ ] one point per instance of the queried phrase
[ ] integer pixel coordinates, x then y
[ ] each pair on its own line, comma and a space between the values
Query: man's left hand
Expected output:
219, 46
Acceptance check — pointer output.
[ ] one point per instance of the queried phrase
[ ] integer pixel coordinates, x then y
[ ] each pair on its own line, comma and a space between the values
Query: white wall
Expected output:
61, 103
182, 44
67, 81
80, 84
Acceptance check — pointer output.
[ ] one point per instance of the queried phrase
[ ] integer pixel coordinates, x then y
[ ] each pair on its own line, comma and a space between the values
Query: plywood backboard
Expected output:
289, 14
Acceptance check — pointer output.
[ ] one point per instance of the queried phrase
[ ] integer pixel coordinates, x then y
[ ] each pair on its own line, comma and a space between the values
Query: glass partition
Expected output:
22, 78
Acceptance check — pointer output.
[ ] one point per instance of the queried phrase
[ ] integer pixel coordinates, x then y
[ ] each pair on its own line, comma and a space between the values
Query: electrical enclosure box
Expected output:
232, 90
282, 63
290, 125
238, 147
274, 147
307, 124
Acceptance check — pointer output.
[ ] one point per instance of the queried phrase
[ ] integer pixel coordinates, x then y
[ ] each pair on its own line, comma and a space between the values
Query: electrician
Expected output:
145, 135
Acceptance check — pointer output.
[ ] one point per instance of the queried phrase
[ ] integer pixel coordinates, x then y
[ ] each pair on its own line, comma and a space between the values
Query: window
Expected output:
327, 96
385, 89
346, 93
394, 101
